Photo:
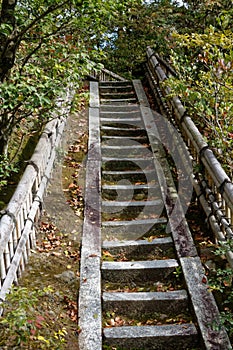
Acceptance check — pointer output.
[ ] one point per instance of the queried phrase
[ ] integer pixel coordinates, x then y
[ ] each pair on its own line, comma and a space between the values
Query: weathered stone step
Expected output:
115, 95
122, 126
141, 139
120, 115
130, 192
137, 304
109, 88
129, 212
140, 161
152, 188
125, 130
115, 83
130, 196
118, 125
123, 204
119, 109
138, 150
129, 230
138, 271
167, 337
142, 247
123, 147
117, 101
132, 175
128, 208
129, 164
125, 119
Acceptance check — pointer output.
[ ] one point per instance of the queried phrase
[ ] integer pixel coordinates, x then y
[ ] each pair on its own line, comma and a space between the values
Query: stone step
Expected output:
132, 175
138, 150
125, 119
130, 196
167, 337
134, 229
124, 130
109, 88
143, 247
118, 147
116, 101
132, 212
122, 126
141, 139
130, 192
115, 95
133, 204
119, 187
138, 304
110, 108
140, 161
117, 124
138, 271
120, 115
129, 164
115, 83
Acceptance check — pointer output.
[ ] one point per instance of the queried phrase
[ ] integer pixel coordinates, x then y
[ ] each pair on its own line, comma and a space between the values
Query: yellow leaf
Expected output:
39, 337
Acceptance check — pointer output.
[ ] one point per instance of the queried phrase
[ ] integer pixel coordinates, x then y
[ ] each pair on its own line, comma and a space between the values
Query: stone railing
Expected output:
17, 224
213, 187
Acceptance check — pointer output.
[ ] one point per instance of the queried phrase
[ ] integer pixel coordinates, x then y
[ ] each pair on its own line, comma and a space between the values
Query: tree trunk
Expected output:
8, 42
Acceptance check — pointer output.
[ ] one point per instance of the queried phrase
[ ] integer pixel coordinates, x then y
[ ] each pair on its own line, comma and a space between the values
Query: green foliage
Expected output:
226, 319
205, 83
224, 247
50, 48
220, 281
20, 327
136, 25
6, 170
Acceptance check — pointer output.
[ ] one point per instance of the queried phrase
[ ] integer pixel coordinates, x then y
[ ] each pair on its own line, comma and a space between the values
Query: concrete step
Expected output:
120, 115
135, 229
111, 88
123, 129
138, 304
132, 204
167, 337
132, 175
110, 108
129, 164
130, 187
116, 101
115, 83
138, 271
125, 119
143, 247
141, 139
138, 150
126, 211
130, 192
115, 95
